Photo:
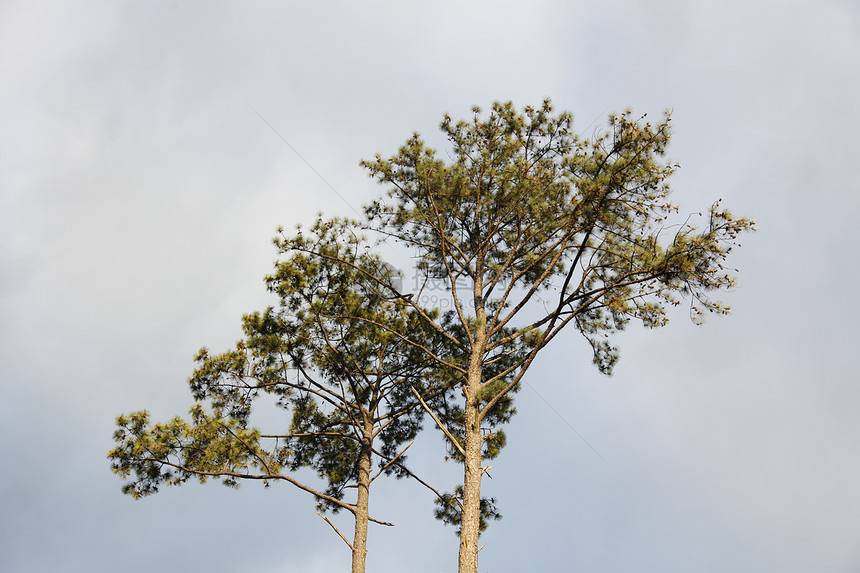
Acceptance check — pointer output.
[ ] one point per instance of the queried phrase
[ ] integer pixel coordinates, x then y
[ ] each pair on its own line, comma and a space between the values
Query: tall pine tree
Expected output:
331, 359
532, 230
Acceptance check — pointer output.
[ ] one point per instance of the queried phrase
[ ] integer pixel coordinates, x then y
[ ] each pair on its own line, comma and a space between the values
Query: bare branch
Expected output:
336, 530
439, 423
391, 461
416, 478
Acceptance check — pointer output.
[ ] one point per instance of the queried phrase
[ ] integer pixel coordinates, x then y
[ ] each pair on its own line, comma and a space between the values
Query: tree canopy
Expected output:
533, 229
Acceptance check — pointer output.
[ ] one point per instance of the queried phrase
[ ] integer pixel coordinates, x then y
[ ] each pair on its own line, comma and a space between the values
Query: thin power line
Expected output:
566, 422
330, 186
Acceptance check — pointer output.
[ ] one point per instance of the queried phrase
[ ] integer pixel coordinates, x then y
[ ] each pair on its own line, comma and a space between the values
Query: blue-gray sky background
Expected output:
139, 191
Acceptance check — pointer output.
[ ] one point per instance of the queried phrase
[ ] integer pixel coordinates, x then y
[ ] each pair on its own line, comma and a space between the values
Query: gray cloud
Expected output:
139, 191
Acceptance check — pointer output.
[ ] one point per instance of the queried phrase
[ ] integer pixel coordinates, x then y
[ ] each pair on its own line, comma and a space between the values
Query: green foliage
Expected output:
544, 222
449, 507
174, 452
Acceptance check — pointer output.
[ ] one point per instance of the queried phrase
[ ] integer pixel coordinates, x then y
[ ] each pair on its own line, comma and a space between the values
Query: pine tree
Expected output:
345, 382
533, 229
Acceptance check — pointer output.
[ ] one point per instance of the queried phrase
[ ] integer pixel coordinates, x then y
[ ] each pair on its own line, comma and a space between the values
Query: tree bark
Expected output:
362, 504
470, 516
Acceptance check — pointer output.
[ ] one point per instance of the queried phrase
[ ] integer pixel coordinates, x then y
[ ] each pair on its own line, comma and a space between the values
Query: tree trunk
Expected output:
470, 516
359, 542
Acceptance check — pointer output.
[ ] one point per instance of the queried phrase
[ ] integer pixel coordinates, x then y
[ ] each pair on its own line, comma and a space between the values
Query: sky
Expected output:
142, 179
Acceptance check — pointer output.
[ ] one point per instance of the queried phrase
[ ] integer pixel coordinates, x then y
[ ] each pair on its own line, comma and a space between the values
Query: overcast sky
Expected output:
139, 191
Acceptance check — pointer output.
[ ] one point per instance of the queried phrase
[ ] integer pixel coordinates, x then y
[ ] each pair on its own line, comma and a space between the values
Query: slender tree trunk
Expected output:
359, 542
470, 516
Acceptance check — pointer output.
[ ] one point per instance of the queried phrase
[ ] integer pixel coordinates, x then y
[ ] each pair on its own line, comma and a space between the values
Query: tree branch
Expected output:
441, 426
336, 530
